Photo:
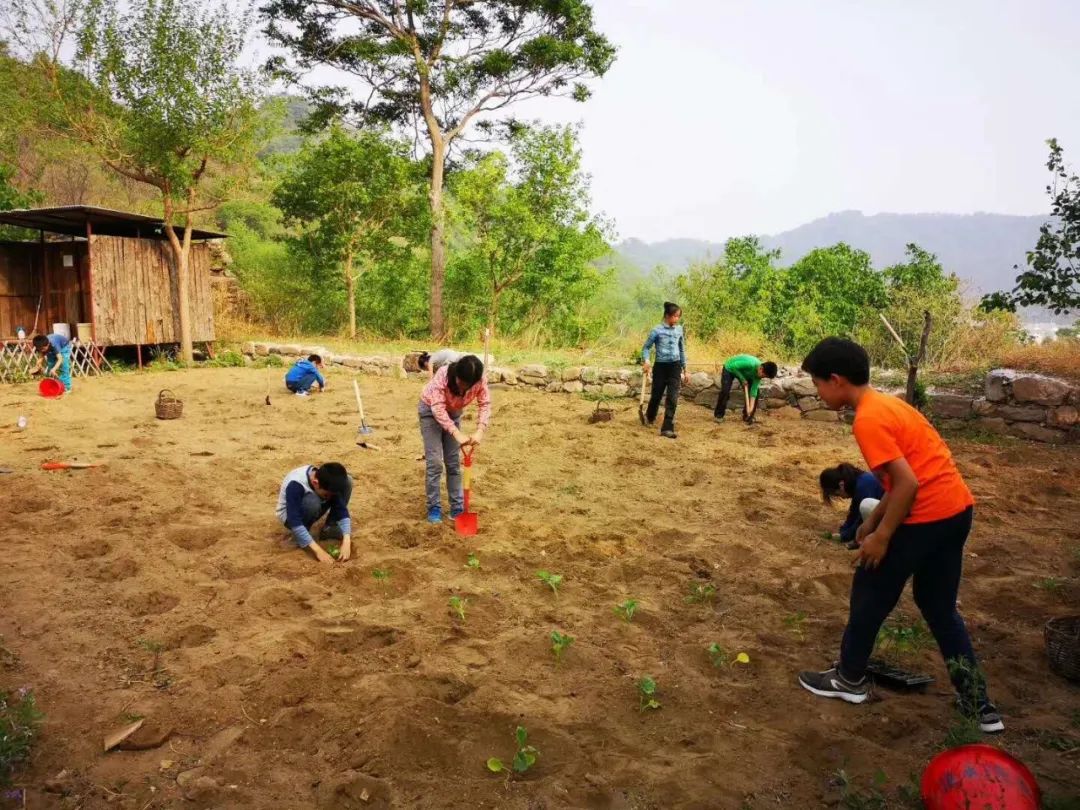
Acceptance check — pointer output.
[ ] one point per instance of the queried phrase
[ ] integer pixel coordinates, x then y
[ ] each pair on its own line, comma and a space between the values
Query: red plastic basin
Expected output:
978, 776
51, 388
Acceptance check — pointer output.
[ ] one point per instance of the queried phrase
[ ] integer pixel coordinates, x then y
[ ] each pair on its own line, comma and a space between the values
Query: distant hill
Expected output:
980, 248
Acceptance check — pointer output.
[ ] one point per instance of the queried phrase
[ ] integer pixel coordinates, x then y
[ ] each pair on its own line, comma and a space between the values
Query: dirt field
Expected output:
160, 586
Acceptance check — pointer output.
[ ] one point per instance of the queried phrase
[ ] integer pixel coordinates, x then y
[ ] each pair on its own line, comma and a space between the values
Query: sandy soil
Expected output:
288, 684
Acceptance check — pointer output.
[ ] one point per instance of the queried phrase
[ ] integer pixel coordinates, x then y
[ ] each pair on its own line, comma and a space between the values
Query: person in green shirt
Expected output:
749, 371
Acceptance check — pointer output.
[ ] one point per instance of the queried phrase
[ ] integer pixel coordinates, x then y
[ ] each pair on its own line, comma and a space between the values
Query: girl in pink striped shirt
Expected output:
444, 398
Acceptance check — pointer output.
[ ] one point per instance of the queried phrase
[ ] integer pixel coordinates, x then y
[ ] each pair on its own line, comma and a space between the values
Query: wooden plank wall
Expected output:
64, 299
135, 300
20, 286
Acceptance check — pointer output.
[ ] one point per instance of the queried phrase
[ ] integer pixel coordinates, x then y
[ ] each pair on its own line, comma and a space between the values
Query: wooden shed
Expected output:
107, 270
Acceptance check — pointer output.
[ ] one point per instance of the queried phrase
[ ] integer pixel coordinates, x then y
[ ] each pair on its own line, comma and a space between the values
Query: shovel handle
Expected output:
359, 402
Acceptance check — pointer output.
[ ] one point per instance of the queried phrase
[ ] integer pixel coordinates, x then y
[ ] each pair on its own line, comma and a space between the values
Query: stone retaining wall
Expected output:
1029, 406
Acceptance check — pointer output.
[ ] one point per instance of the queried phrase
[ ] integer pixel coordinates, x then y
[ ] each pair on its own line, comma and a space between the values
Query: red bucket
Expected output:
978, 776
51, 388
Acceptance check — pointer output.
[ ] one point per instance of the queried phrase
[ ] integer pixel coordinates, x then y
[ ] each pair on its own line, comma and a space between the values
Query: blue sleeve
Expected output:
682, 349
851, 525
294, 514
339, 512
649, 341
867, 486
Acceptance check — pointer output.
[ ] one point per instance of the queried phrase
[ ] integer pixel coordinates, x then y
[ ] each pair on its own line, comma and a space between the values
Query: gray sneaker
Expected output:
989, 718
832, 684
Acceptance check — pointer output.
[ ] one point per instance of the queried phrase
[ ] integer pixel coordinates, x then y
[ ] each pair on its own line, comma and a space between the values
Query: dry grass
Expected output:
1060, 358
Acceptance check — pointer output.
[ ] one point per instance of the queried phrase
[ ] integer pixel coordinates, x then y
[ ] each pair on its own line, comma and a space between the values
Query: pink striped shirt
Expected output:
442, 401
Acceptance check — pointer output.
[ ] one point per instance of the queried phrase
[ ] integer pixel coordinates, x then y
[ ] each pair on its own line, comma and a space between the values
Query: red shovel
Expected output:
465, 523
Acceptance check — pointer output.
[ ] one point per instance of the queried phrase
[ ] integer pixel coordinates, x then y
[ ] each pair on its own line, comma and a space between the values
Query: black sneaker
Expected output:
669, 434
718, 418
989, 718
832, 684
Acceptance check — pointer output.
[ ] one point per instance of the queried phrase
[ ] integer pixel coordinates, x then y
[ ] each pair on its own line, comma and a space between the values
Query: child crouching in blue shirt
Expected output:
862, 487
304, 374
308, 493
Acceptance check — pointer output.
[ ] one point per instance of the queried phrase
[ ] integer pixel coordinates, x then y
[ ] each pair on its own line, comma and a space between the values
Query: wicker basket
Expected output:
1063, 646
168, 406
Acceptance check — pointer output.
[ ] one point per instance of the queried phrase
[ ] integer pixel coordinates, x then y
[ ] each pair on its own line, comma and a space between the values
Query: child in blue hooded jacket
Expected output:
304, 374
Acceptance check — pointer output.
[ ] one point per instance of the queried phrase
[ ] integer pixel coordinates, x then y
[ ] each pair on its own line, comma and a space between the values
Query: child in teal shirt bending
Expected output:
749, 371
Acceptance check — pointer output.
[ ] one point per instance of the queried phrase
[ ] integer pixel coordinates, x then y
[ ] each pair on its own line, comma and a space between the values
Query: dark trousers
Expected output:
313, 507
666, 377
727, 380
303, 384
930, 554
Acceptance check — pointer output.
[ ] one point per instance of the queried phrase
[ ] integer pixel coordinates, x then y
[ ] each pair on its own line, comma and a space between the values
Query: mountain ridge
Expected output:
981, 248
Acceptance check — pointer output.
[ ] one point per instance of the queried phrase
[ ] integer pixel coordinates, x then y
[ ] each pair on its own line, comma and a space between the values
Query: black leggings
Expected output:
727, 379
666, 377
932, 555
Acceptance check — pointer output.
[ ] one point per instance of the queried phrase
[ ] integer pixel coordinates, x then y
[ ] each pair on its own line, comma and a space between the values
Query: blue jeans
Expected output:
302, 384
441, 449
932, 555
64, 375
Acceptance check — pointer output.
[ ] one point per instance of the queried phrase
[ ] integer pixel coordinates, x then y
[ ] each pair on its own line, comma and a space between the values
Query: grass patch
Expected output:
19, 722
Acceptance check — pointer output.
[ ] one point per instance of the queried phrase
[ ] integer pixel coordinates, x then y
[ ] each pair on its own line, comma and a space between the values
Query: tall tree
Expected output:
355, 197
440, 66
526, 225
1052, 277
162, 98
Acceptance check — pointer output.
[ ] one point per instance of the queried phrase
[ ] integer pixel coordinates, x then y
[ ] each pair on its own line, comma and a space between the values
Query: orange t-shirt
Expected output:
887, 428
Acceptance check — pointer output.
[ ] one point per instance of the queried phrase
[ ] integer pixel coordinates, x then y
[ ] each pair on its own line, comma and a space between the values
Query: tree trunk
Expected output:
913, 364
181, 252
438, 237
493, 311
350, 290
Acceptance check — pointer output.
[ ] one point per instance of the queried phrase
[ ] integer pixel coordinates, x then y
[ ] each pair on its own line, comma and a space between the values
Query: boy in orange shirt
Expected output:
916, 532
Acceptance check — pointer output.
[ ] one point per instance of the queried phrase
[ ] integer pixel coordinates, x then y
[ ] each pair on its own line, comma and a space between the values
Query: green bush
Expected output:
19, 722
227, 359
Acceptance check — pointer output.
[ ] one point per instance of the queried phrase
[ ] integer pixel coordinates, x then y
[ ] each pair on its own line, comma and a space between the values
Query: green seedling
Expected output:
647, 694
553, 581
795, 622
382, 575
625, 610
473, 561
900, 637
701, 593
560, 643
720, 657
458, 605
334, 551
965, 730
1049, 584
524, 759
717, 654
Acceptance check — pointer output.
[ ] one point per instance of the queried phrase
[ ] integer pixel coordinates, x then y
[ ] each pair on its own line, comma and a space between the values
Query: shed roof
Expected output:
72, 220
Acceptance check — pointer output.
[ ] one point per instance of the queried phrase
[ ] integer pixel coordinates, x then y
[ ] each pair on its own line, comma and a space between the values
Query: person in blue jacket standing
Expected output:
669, 370
862, 487
304, 374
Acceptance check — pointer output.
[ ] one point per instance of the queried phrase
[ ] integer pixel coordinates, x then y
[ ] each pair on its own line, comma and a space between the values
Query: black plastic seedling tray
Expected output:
895, 678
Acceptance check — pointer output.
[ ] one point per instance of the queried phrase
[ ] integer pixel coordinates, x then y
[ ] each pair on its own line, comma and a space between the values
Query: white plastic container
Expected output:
62, 329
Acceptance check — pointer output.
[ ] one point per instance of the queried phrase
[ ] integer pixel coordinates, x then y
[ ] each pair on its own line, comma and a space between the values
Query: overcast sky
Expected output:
722, 117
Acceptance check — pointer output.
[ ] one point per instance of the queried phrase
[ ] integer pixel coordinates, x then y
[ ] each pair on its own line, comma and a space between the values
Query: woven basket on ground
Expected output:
1063, 646
168, 406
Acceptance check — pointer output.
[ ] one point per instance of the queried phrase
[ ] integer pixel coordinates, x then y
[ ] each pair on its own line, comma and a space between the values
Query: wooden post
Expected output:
913, 365
138, 351
90, 280
45, 291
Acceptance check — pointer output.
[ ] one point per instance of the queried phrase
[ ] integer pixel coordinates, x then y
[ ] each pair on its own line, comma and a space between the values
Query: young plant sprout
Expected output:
553, 581
524, 759
473, 562
458, 605
381, 575
647, 694
560, 643
701, 593
720, 657
625, 610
